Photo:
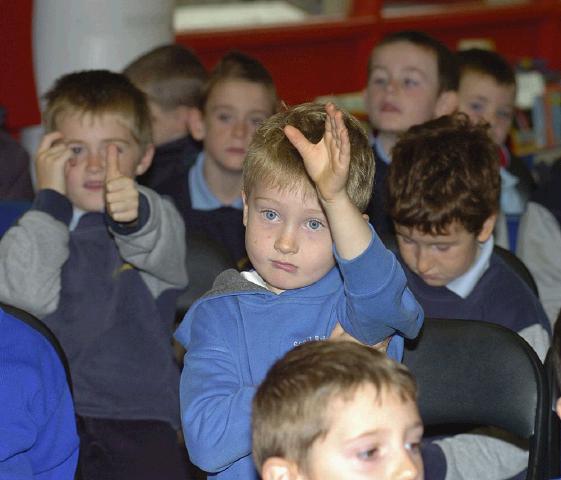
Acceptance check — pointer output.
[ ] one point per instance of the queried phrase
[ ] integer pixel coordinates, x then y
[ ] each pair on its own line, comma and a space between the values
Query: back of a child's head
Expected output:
238, 66
486, 62
273, 160
444, 171
291, 409
171, 76
447, 65
97, 93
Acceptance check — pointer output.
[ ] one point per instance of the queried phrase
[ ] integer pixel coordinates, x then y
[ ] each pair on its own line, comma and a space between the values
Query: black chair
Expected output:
518, 266
553, 459
39, 326
477, 373
205, 260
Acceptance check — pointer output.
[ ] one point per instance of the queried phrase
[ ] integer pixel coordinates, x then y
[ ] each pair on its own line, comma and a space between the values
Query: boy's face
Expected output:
402, 90
168, 125
485, 100
439, 259
287, 237
88, 137
369, 438
234, 110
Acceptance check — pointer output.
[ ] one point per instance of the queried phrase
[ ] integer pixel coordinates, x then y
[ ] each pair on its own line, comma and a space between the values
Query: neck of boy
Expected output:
225, 185
386, 140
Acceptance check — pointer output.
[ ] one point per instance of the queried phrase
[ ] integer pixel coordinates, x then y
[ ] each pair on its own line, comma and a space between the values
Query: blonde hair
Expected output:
98, 92
291, 409
272, 159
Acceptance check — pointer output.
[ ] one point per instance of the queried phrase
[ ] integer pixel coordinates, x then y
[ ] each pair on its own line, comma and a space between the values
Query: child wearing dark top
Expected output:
101, 261
319, 268
412, 77
172, 77
238, 97
443, 196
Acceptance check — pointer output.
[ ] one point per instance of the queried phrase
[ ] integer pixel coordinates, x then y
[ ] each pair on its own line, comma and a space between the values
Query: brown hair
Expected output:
443, 171
171, 75
447, 65
236, 65
291, 406
272, 159
488, 63
99, 92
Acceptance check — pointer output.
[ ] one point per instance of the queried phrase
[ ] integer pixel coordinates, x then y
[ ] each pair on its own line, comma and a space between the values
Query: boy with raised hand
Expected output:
238, 97
412, 78
319, 266
172, 77
337, 411
101, 261
443, 194
486, 93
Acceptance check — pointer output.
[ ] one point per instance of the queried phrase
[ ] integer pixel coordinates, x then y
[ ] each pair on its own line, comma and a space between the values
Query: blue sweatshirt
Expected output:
235, 333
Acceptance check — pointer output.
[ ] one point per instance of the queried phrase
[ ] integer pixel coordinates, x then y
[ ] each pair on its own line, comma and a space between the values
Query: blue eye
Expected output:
410, 82
314, 224
76, 150
367, 454
413, 447
224, 117
269, 215
476, 107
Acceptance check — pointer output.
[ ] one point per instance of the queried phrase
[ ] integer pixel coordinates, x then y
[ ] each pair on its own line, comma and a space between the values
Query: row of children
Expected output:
101, 259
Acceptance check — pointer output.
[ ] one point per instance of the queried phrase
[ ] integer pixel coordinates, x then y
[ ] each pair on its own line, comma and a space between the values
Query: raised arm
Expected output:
327, 163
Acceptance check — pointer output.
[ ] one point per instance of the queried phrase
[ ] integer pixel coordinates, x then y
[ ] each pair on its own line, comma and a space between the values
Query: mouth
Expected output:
286, 267
389, 108
236, 151
94, 185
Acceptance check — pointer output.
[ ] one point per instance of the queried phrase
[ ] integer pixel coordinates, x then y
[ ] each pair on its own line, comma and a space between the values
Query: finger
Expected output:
48, 141
112, 168
297, 138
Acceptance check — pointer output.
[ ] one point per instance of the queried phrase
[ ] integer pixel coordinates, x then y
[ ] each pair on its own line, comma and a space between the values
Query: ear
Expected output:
277, 468
146, 160
245, 208
487, 228
190, 115
197, 124
558, 407
446, 103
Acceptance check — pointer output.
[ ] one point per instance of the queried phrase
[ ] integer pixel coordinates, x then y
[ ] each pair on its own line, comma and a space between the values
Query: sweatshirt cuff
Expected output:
53, 203
434, 461
131, 227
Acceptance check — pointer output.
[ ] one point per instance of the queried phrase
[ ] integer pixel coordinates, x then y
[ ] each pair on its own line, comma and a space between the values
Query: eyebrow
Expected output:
407, 69
314, 211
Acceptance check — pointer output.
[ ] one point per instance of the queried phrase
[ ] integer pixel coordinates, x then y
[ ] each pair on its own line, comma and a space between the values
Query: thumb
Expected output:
112, 165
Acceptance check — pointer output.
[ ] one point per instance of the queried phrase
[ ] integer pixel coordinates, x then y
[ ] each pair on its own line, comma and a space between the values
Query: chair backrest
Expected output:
518, 266
553, 460
39, 326
10, 211
205, 260
479, 373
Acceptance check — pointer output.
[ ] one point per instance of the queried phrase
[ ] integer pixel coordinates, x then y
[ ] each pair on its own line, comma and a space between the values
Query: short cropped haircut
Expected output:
236, 65
447, 64
488, 63
171, 75
444, 171
556, 347
291, 406
272, 159
98, 92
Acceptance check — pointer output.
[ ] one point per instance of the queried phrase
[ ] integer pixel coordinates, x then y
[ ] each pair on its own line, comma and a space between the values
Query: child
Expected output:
37, 425
539, 240
412, 78
101, 261
337, 410
172, 78
443, 194
486, 93
238, 97
318, 264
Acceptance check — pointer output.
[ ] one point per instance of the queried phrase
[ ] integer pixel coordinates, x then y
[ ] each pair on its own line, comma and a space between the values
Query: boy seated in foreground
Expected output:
443, 197
318, 265
337, 411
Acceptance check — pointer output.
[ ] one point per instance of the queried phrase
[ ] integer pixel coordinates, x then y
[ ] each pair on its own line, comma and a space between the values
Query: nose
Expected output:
240, 129
286, 242
95, 162
407, 468
424, 261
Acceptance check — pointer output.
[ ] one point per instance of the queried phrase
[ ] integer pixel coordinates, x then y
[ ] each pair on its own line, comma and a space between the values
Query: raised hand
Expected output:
121, 192
50, 162
327, 162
